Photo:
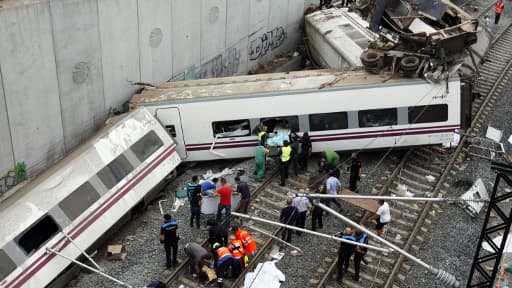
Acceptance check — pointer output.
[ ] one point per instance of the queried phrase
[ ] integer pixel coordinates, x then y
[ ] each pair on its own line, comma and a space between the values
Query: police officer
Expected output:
285, 155
345, 252
169, 238
359, 253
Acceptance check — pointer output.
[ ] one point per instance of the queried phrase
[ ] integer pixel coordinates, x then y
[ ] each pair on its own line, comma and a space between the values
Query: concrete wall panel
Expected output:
79, 70
118, 22
213, 28
30, 85
237, 26
186, 38
6, 152
155, 40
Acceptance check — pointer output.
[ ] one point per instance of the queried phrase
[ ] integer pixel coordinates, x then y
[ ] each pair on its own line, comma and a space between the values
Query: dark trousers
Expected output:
195, 212
237, 267
358, 257
283, 170
223, 267
228, 214
171, 247
296, 165
352, 184
303, 161
332, 200
301, 220
497, 18
244, 203
317, 218
286, 235
325, 3
343, 262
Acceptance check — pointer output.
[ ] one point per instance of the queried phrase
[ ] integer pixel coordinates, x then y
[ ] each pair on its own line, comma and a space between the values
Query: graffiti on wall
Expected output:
268, 41
222, 65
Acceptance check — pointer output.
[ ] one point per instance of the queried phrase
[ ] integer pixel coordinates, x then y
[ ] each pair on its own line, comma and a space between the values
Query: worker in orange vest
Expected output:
236, 247
499, 10
224, 262
249, 243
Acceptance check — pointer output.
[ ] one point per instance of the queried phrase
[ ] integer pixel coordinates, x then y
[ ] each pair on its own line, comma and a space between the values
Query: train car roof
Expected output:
37, 196
260, 84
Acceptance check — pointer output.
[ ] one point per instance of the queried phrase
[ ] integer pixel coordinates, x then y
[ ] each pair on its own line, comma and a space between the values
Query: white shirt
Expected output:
383, 212
301, 203
332, 185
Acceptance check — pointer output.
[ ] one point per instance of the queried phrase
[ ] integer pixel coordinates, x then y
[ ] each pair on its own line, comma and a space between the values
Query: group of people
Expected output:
230, 254
208, 188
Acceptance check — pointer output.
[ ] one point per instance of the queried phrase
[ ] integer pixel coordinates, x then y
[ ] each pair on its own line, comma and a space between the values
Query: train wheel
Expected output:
410, 63
370, 59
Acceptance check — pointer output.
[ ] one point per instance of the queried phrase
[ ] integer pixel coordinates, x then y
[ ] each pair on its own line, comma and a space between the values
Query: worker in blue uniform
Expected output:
345, 252
362, 238
169, 238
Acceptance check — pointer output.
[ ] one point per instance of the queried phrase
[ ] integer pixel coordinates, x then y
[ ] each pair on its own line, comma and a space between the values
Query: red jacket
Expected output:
499, 8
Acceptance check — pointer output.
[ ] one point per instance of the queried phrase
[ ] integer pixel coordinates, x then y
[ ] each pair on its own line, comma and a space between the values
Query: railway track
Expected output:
411, 221
266, 201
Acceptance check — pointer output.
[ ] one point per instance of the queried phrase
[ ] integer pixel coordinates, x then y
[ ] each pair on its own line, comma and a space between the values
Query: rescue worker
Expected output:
262, 136
289, 217
326, 167
250, 246
499, 10
243, 188
345, 252
224, 262
362, 238
305, 151
261, 161
196, 255
169, 238
284, 157
191, 187
216, 234
195, 207
236, 247
355, 173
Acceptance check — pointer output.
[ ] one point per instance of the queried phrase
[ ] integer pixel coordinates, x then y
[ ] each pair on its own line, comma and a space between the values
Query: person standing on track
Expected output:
382, 216
317, 213
216, 234
169, 238
243, 188
289, 217
261, 161
295, 154
284, 163
499, 11
355, 173
191, 187
345, 252
225, 192
195, 207
333, 186
361, 238
305, 151
303, 206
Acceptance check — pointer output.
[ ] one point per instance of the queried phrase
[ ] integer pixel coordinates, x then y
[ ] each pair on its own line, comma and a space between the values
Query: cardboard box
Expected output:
210, 273
116, 252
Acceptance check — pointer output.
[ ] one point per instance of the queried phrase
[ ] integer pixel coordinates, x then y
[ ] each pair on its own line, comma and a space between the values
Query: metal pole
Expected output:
160, 205
309, 231
82, 251
444, 276
49, 250
376, 197
276, 238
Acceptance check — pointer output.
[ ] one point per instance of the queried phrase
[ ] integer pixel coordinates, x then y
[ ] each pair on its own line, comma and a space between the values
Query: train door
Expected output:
171, 120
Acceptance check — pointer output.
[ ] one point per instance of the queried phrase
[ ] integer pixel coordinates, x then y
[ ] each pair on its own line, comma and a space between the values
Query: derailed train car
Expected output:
342, 110
83, 197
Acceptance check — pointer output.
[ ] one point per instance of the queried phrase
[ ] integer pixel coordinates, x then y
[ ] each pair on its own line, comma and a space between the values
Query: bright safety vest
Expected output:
285, 153
236, 248
499, 8
249, 243
260, 135
222, 253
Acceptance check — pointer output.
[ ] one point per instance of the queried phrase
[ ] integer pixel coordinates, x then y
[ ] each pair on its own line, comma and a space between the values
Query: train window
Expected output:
38, 234
78, 201
281, 123
428, 113
328, 121
171, 129
115, 171
233, 128
376, 118
146, 146
6, 264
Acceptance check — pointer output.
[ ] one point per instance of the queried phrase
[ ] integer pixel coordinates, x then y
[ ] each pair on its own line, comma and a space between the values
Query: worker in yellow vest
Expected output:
284, 155
262, 136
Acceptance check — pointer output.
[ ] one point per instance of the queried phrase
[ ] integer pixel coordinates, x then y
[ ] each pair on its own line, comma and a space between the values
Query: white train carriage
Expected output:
342, 110
83, 196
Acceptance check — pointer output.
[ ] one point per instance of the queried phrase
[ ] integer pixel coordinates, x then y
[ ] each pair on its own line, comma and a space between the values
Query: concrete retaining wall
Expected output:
65, 64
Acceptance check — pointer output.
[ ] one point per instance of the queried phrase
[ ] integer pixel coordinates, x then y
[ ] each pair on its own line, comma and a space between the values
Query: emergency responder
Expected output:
169, 238
362, 238
250, 246
284, 156
499, 10
236, 247
196, 255
355, 173
331, 156
345, 252
216, 234
262, 136
224, 262
261, 161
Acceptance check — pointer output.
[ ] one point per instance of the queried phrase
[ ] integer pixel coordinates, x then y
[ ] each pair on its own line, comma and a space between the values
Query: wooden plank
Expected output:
366, 204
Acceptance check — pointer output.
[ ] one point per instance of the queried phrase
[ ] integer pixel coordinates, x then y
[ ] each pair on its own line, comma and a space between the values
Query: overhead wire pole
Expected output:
448, 279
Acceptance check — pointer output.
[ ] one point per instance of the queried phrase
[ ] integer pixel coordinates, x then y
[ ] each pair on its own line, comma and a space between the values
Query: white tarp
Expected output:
209, 205
497, 241
266, 275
